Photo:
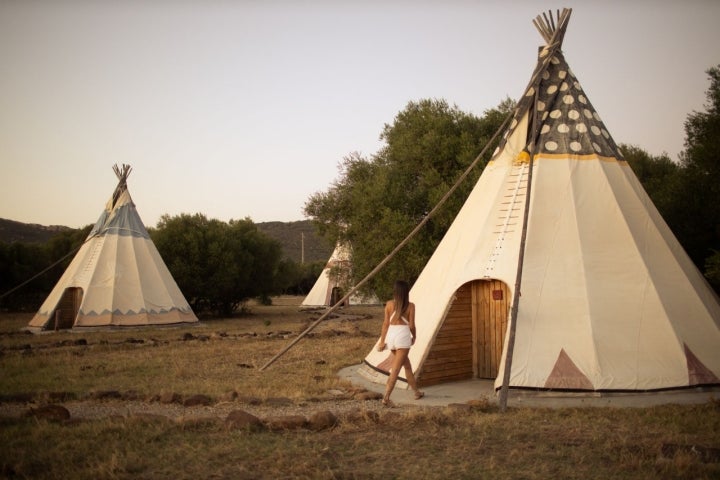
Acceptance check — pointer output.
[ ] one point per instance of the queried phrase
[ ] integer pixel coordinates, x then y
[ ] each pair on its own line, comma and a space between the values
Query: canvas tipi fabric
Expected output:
117, 278
609, 300
328, 288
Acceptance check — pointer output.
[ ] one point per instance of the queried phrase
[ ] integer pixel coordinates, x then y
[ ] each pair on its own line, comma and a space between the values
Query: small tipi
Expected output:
608, 299
117, 278
328, 288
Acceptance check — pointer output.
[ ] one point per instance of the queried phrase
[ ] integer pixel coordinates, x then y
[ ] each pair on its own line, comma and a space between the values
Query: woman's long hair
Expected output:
401, 296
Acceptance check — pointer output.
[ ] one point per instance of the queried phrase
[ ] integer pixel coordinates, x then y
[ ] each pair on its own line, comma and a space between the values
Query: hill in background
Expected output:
295, 237
12, 231
292, 236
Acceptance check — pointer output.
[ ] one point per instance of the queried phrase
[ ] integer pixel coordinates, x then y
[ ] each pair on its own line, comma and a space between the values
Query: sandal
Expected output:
419, 394
388, 403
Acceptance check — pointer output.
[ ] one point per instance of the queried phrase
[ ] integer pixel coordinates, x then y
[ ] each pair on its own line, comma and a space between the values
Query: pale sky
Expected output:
242, 109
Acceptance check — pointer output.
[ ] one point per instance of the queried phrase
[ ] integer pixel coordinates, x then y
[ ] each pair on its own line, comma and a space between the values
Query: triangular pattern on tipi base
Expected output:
699, 374
565, 375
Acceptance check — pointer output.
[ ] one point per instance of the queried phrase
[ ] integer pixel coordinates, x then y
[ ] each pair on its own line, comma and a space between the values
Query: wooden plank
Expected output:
453, 330
457, 332
448, 363
492, 331
442, 350
475, 331
457, 342
486, 325
452, 371
448, 378
454, 334
456, 327
450, 355
443, 374
438, 349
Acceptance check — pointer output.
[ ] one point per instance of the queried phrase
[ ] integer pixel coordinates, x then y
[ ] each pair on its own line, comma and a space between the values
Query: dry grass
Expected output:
213, 358
402, 443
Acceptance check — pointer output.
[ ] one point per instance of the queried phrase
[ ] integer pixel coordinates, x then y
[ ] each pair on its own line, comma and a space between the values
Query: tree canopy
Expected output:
217, 265
658, 175
696, 219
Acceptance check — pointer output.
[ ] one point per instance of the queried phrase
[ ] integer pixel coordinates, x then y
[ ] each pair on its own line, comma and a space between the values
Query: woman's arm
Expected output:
411, 320
385, 326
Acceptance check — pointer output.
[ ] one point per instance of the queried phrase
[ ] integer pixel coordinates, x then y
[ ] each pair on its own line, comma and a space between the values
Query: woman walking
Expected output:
398, 334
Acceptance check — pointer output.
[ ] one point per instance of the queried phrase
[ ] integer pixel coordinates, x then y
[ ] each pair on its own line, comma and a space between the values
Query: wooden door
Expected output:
490, 304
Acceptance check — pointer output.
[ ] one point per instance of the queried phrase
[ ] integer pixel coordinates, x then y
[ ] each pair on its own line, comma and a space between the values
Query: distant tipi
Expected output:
608, 299
328, 288
117, 278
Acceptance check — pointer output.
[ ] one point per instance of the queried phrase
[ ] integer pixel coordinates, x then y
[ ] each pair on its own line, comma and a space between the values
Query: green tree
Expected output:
19, 263
67, 241
297, 279
288, 276
377, 201
658, 174
310, 272
712, 269
217, 265
695, 218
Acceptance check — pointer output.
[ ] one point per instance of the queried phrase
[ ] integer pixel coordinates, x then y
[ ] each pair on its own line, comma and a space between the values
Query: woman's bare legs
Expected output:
399, 357
400, 360
410, 377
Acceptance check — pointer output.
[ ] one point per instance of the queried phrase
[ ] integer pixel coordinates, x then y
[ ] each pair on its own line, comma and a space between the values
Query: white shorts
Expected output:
398, 336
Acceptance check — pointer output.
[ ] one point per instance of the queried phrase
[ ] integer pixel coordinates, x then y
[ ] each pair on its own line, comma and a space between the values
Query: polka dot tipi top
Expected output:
566, 121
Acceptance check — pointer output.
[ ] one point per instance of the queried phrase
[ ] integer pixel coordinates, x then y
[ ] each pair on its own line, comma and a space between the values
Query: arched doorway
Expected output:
335, 295
67, 309
470, 341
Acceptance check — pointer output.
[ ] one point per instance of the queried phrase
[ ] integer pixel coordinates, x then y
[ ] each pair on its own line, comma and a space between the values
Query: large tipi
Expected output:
608, 300
117, 278
330, 284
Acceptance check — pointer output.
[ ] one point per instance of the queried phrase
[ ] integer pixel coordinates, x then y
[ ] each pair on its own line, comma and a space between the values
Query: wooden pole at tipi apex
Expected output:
398, 247
554, 41
122, 174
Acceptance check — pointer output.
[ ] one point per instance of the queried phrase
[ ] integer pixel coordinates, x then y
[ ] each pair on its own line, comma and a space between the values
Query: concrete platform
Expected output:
463, 392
